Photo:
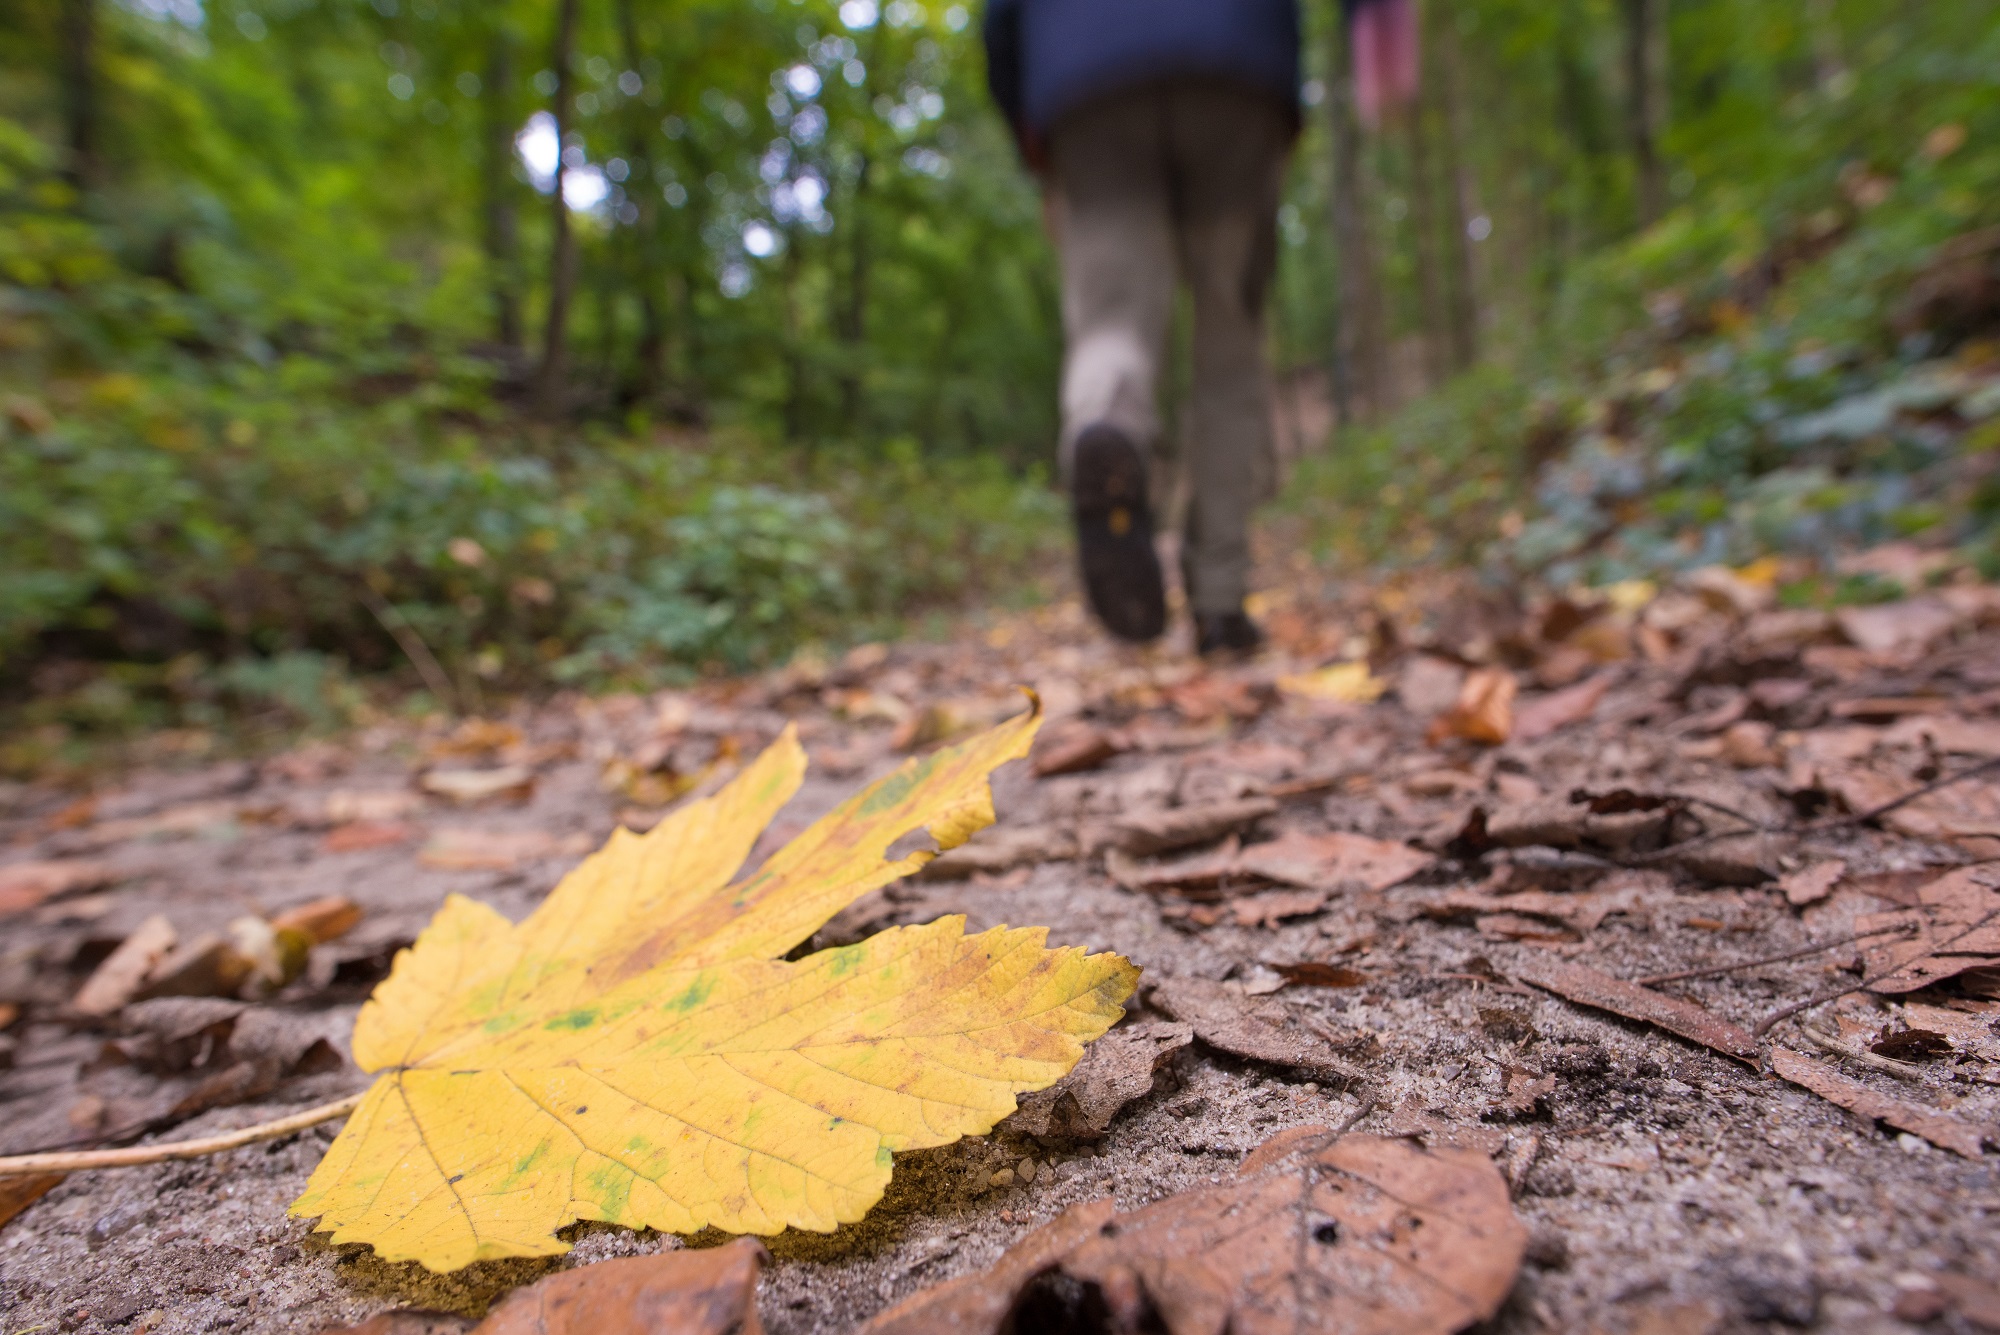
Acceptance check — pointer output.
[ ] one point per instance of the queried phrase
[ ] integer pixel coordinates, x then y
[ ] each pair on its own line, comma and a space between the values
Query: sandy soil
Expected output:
1667, 1188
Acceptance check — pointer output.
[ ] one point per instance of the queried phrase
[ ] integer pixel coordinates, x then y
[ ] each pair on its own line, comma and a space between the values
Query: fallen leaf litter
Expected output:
1425, 996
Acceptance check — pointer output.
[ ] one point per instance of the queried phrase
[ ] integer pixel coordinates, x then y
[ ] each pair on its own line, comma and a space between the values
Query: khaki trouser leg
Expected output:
1179, 181
1229, 150
1115, 234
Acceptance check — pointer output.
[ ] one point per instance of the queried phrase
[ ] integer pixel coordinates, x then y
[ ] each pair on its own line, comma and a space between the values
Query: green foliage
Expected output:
255, 400
1748, 375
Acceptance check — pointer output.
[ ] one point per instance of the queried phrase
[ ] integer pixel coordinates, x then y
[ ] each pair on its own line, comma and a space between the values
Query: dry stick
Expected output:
1984, 767
1834, 994
413, 647
1716, 971
1873, 1061
76, 1161
1821, 826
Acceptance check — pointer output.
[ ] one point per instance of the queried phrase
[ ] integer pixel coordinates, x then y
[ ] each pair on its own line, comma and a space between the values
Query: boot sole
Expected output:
1114, 536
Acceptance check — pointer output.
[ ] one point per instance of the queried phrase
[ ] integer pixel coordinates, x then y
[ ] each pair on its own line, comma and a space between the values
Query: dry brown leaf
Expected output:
1560, 709
496, 850
1145, 833
707, 1291
473, 739
1276, 906
980, 1303
1954, 926
1584, 911
1334, 861
18, 1193
321, 920
1525, 1092
1074, 750
1809, 885
1115, 1070
175, 822
1974, 1299
1484, 712
1911, 625
27, 885
1950, 735
513, 783
363, 836
1521, 927
118, 979
1001, 848
1199, 876
1361, 1236
1427, 685
1945, 1130
1588, 987
1262, 1031
409, 1321
1317, 973
364, 805
1216, 696
1974, 1032
1967, 814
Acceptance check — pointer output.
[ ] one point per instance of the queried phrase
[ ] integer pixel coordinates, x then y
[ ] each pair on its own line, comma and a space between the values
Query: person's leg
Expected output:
1229, 151
1116, 239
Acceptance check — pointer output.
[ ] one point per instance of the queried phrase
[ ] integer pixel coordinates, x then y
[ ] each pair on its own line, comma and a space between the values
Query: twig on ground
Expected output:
1716, 971
76, 1161
1854, 819
413, 647
1834, 994
1874, 1061
1873, 813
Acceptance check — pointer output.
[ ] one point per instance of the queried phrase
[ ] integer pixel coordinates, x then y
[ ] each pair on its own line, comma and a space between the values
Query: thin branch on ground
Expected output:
1717, 970
1849, 821
1873, 1061
1834, 994
413, 647
76, 1161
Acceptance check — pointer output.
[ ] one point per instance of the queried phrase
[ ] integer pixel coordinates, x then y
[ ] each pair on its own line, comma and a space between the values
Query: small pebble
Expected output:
1003, 1178
1028, 1170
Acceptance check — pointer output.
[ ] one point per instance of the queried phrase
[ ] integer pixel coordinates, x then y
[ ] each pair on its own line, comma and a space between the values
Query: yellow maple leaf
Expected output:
637, 1051
1343, 683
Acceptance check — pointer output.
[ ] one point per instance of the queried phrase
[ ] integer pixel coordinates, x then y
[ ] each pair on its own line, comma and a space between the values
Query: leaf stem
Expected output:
76, 1161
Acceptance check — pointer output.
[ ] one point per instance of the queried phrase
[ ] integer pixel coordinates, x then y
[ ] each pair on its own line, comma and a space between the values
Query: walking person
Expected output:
1160, 130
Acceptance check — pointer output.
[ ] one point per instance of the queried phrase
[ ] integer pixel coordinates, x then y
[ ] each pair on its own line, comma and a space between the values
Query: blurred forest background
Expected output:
485, 346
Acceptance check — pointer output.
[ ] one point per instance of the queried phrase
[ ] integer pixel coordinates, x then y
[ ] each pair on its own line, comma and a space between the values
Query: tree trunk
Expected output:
795, 351
502, 220
651, 365
1424, 223
851, 325
79, 72
1646, 93
1458, 229
562, 249
1361, 339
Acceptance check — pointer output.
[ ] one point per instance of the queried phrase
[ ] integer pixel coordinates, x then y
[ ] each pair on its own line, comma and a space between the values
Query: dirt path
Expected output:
1667, 1187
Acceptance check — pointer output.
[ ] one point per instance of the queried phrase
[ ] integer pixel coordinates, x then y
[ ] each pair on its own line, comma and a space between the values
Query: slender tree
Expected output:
79, 75
1445, 81
1361, 334
850, 324
1423, 226
562, 247
1646, 102
651, 364
502, 229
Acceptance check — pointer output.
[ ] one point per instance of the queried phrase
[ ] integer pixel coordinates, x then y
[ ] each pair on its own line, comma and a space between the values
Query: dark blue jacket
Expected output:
1046, 58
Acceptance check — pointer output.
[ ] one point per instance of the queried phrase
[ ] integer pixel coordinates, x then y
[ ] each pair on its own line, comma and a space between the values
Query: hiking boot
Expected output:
1114, 534
1232, 634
